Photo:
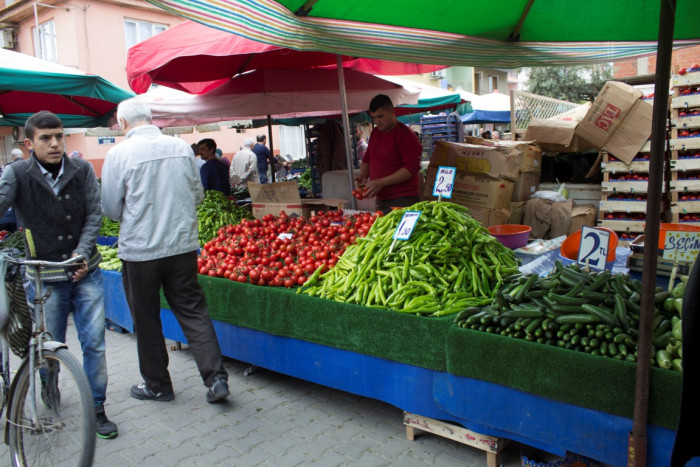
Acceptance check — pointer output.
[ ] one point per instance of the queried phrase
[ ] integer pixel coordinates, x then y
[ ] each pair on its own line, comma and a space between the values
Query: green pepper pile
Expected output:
450, 262
217, 211
594, 312
109, 227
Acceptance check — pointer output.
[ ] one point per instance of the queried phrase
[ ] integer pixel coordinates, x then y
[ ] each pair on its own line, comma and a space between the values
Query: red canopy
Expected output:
196, 58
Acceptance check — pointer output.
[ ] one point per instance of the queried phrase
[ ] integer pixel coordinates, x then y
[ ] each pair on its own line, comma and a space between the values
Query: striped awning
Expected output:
464, 32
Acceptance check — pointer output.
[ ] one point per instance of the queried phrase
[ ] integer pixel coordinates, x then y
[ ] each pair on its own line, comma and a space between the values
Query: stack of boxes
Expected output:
685, 148
489, 176
440, 127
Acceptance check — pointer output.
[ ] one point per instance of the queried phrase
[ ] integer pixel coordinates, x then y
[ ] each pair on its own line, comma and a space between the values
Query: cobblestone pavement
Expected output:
270, 419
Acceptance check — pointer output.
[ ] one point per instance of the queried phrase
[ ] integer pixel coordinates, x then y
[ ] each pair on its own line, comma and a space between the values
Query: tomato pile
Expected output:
689, 197
630, 177
688, 133
689, 217
626, 236
692, 68
623, 216
689, 113
689, 91
688, 155
639, 157
627, 197
281, 251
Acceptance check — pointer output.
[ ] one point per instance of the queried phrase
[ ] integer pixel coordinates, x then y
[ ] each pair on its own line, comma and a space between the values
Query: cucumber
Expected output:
533, 313
600, 313
564, 300
579, 318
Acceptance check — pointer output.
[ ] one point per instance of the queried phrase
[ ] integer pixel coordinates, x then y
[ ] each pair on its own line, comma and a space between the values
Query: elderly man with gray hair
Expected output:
244, 167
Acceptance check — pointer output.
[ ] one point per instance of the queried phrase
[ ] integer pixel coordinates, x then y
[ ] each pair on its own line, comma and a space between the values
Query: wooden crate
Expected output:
490, 444
688, 79
682, 144
683, 186
686, 122
580, 193
623, 226
622, 206
686, 207
676, 196
621, 167
683, 165
685, 102
676, 219
623, 187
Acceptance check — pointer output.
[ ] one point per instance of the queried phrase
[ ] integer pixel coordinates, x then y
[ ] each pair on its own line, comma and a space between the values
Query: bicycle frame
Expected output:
40, 339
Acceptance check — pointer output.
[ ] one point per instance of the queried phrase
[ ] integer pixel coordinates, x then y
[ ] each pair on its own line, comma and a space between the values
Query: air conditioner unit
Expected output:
7, 38
439, 74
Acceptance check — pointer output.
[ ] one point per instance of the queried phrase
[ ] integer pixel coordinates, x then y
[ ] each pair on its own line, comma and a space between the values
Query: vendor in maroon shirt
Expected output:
391, 163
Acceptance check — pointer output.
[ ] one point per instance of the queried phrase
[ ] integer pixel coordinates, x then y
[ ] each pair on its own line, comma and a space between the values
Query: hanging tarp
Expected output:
455, 32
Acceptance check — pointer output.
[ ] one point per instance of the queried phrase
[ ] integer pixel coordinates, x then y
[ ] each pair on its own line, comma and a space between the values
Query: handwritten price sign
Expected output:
405, 228
444, 181
682, 246
593, 250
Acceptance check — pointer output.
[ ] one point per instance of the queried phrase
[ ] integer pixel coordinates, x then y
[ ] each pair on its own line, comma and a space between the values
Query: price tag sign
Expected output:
682, 246
444, 181
593, 249
285, 236
405, 228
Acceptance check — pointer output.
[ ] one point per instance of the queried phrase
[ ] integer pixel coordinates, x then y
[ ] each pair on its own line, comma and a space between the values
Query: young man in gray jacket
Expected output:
151, 185
57, 202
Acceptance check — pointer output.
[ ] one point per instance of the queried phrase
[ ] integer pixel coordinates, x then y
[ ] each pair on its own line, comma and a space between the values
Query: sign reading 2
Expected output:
593, 249
444, 181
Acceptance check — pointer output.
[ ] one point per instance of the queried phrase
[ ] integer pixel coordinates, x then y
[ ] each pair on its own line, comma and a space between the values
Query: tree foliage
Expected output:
574, 84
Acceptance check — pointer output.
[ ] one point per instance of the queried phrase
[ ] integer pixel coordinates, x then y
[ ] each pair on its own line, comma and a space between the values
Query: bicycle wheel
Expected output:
64, 430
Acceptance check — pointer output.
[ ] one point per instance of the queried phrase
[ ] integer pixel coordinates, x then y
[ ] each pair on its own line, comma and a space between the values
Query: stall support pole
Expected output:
271, 162
346, 124
637, 444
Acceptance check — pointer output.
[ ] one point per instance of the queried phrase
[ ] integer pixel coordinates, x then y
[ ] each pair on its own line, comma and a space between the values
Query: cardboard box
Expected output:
526, 185
584, 214
530, 153
558, 133
619, 121
474, 190
271, 198
489, 217
491, 161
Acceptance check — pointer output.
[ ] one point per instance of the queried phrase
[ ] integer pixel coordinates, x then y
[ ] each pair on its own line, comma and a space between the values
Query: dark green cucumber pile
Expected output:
594, 312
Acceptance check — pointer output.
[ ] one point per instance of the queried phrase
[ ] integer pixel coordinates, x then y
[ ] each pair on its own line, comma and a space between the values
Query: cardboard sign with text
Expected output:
474, 190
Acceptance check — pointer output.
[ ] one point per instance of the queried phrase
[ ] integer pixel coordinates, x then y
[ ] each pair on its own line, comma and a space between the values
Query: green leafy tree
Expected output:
573, 84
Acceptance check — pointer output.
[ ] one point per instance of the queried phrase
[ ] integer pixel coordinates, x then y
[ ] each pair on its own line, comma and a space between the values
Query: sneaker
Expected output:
142, 392
218, 390
106, 429
50, 394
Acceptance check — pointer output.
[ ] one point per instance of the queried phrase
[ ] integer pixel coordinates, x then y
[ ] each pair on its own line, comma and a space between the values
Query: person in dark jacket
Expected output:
214, 173
263, 155
57, 201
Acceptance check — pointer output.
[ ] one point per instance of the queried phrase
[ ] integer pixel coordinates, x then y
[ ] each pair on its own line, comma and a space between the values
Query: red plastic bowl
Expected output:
511, 235
569, 249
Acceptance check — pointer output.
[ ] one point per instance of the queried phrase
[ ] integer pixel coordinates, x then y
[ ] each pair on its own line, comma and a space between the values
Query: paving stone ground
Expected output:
270, 420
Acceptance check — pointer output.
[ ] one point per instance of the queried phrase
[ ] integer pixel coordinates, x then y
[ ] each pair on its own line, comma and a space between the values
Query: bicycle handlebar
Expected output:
46, 264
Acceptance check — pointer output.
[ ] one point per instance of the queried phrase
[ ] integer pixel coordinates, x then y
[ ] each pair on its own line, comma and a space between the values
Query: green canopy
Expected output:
28, 85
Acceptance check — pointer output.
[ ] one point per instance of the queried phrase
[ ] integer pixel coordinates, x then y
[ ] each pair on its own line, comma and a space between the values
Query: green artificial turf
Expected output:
410, 339
568, 376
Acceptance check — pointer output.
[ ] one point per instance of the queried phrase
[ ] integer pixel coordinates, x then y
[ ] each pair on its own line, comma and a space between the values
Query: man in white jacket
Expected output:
151, 185
244, 167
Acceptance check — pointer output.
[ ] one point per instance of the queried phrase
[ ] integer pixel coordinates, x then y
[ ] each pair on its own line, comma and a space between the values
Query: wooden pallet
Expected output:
491, 444
688, 79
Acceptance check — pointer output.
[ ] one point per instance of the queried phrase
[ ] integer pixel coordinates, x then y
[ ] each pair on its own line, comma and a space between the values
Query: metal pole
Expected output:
346, 124
272, 157
637, 444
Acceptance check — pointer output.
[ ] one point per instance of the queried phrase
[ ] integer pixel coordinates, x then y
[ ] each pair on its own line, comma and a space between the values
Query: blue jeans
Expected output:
85, 299
263, 177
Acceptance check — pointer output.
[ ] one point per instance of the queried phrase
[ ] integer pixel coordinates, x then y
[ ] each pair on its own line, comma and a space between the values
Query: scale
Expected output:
664, 267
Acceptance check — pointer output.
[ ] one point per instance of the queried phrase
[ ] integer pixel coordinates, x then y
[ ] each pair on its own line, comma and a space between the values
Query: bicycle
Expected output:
49, 420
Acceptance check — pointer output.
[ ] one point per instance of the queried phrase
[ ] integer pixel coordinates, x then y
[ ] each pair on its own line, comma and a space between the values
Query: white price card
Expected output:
285, 236
405, 228
682, 246
593, 249
444, 181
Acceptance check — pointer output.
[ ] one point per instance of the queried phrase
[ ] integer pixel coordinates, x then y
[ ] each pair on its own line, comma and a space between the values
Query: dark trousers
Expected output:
177, 275
385, 205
